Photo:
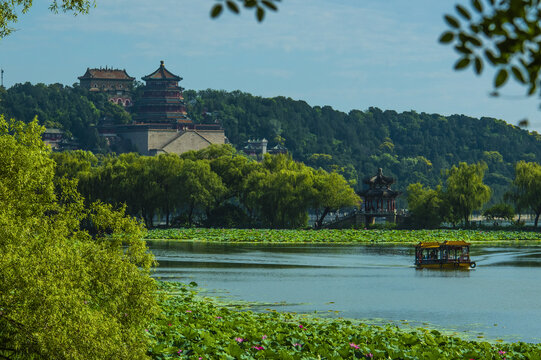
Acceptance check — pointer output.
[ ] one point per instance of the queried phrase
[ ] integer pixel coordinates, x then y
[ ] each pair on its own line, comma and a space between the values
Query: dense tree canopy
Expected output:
465, 190
74, 280
527, 187
463, 193
72, 109
215, 186
427, 208
410, 146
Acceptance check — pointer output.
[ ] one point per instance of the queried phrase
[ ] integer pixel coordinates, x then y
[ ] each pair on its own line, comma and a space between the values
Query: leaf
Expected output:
447, 37
216, 10
518, 74
490, 57
475, 41
250, 3
452, 21
478, 65
477, 5
501, 78
269, 4
232, 6
260, 14
462, 11
462, 63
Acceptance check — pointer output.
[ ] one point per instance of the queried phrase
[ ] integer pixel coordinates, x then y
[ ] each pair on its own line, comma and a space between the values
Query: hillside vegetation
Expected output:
410, 146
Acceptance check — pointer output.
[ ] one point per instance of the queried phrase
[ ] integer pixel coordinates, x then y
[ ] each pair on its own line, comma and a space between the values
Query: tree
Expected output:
500, 211
527, 187
200, 187
426, 206
74, 282
465, 191
9, 9
500, 33
332, 192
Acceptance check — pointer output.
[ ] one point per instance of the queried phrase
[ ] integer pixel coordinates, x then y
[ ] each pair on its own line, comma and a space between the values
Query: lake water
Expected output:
500, 299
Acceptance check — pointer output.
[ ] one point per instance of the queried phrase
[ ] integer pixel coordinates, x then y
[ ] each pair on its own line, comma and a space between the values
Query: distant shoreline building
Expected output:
258, 148
161, 124
116, 83
379, 200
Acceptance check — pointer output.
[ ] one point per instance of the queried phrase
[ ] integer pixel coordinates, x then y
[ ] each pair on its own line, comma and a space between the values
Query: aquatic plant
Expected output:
349, 236
214, 331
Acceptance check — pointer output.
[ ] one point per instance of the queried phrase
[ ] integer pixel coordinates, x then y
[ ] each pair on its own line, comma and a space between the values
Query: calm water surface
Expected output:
500, 299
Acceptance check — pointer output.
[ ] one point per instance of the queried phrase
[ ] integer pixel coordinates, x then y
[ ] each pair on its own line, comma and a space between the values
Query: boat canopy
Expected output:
428, 245
456, 243
435, 244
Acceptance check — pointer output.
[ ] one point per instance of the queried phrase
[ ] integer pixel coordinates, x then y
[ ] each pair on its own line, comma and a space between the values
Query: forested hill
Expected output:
410, 146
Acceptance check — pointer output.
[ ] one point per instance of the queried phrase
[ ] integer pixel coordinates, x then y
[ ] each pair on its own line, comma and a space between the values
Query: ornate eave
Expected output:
379, 180
162, 74
106, 74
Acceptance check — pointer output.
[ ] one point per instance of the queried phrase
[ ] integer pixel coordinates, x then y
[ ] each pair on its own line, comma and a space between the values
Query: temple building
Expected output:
258, 148
161, 124
117, 84
379, 200
162, 101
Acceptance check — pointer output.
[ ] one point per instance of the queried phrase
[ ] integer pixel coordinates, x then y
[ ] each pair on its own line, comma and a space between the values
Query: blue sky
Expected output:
349, 54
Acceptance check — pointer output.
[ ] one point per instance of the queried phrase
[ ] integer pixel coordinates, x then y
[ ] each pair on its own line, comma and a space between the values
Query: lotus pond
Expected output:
193, 327
344, 236
347, 299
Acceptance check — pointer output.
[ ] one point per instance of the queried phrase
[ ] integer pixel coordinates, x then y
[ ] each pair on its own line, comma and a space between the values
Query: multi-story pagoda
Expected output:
116, 83
160, 122
379, 200
162, 101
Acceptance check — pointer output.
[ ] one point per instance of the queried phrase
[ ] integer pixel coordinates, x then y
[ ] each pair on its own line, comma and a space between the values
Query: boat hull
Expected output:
460, 266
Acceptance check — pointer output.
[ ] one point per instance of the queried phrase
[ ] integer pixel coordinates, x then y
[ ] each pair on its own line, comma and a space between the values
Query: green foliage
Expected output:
426, 206
342, 236
260, 7
331, 192
465, 191
408, 146
193, 327
500, 211
526, 191
198, 186
357, 143
72, 109
74, 281
503, 34
9, 10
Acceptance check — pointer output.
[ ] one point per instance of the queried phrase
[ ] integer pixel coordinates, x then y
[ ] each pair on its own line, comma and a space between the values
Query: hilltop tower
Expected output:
162, 101
161, 124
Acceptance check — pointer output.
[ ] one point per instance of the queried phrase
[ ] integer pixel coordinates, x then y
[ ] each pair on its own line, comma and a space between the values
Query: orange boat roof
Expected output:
428, 245
456, 243
435, 244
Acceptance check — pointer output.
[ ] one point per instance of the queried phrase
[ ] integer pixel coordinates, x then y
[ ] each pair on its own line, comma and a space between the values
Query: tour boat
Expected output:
446, 255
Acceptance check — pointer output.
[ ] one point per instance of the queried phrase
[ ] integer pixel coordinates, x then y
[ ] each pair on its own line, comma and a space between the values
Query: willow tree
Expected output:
332, 192
465, 191
426, 206
74, 281
527, 187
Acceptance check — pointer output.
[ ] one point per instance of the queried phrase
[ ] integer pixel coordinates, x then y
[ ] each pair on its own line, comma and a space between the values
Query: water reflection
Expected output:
370, 282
